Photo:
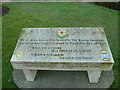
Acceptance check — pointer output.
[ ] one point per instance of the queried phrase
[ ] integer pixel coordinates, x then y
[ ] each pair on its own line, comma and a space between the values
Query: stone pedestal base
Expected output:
63, 79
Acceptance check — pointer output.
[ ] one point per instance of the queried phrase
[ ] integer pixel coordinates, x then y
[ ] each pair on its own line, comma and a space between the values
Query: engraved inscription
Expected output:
80, 45
56, 51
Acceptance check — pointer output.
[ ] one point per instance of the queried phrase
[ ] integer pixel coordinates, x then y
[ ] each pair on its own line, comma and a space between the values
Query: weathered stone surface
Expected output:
82, 45
82, 48
62, 79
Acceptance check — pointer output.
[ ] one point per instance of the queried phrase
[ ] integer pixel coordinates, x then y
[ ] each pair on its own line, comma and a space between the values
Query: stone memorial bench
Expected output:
69, 49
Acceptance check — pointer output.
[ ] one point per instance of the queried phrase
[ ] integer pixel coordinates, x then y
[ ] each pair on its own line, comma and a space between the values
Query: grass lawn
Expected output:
46, 14
0, 53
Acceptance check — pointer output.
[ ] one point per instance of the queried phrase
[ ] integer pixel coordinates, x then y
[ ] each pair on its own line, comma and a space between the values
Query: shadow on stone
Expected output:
62, 79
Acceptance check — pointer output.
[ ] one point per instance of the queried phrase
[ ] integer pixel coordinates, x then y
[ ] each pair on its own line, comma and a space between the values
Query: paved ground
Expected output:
62, 79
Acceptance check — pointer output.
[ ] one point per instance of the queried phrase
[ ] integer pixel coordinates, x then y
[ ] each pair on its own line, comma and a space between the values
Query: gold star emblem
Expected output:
62, 34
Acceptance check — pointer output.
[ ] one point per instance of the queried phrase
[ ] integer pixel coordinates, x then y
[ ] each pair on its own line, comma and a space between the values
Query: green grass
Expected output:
46, 14
0, 53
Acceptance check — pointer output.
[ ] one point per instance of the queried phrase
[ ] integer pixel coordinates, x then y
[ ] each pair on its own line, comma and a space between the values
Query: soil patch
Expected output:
111, 5
5, 10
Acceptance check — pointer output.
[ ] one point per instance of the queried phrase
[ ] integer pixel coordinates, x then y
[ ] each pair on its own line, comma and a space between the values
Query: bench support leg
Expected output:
29, 74
94, 75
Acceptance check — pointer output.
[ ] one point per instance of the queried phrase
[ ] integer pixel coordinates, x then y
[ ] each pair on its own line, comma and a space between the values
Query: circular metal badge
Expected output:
105, 56
19, 54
